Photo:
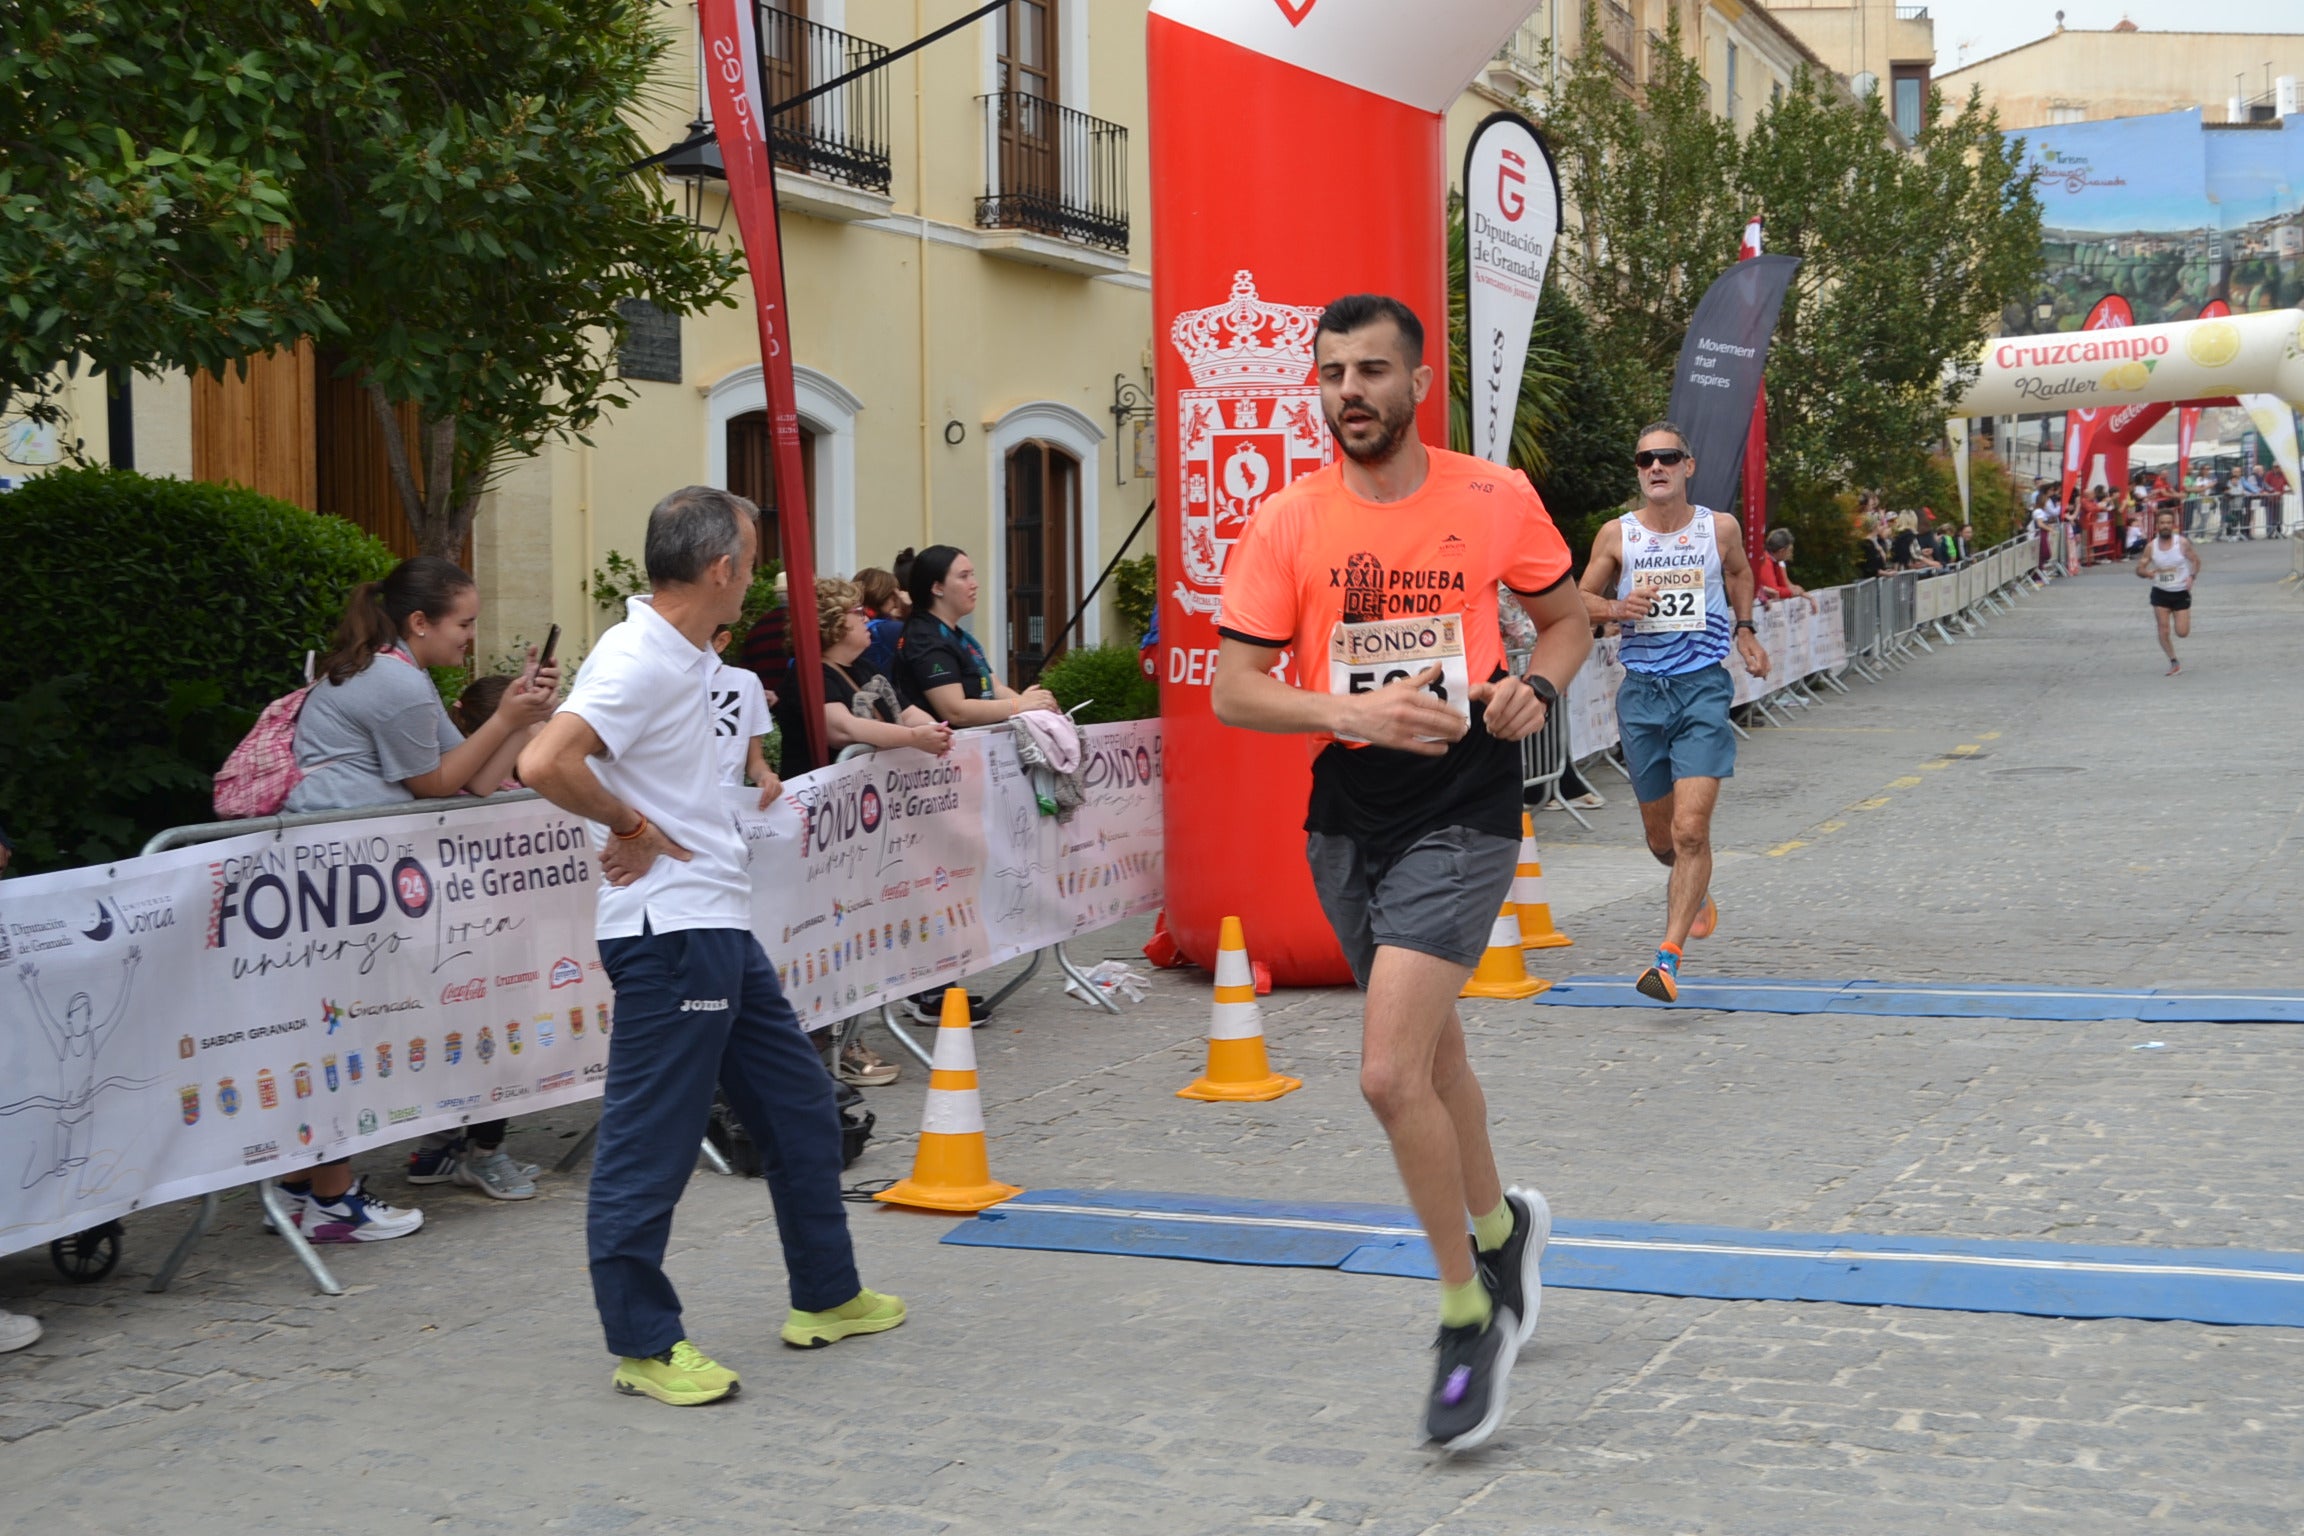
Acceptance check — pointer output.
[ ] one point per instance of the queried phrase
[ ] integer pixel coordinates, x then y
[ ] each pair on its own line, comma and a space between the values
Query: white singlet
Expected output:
2171, 565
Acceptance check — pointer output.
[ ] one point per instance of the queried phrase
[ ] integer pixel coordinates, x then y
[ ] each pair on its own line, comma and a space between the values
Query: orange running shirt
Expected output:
1363, 592
1316, 557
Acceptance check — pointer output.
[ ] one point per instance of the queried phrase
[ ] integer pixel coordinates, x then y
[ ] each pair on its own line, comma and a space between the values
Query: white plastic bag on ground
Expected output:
1112, 977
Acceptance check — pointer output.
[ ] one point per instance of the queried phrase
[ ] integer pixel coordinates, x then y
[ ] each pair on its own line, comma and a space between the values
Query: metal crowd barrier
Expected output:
1544, 759
276, 1209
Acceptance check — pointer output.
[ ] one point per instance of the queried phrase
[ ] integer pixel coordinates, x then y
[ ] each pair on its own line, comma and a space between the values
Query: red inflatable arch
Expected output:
1297, 154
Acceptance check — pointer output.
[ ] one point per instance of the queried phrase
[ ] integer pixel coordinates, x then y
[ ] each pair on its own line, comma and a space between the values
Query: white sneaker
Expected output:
356, 1217
18, 1331
494, 1174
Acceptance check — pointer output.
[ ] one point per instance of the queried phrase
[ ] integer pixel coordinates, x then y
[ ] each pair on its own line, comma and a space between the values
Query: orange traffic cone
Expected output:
1238, 1071
1502, 973
1536, 930
950, 1172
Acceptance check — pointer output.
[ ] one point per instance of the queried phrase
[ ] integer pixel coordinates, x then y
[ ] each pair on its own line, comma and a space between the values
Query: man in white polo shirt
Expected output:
697, 1001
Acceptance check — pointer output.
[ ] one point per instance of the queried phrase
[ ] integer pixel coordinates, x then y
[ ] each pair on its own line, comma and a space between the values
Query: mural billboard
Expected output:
2170, 213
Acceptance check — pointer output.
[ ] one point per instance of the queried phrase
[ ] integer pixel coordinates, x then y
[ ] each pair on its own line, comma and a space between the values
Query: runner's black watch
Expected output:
1541, 686
1746, 624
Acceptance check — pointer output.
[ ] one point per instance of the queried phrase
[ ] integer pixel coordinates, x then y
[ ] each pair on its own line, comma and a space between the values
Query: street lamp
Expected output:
693, 162
2045, 310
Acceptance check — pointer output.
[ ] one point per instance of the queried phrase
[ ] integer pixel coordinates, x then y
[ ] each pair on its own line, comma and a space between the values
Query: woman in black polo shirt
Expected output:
939, 663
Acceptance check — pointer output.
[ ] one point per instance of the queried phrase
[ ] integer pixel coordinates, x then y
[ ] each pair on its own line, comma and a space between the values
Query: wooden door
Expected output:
1026, 40
355, 477
752, 475
1043, 548
253, 426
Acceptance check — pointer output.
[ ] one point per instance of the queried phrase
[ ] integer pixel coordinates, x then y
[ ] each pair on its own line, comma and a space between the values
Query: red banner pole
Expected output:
732, 65
1755, 506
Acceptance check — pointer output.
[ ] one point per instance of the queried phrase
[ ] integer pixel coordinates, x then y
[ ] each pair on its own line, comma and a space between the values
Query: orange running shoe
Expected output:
1661, 981
1706, 920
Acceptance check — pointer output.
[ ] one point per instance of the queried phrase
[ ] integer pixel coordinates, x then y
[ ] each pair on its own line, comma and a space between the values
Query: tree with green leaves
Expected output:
1649, 184
468, 209
1906, 255
1906, 260
146, 157
440, 194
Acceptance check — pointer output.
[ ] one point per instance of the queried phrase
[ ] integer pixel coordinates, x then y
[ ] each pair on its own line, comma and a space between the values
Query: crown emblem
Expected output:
1246, 341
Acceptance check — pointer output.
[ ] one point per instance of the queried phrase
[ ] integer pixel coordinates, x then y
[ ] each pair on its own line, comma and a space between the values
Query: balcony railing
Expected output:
1619, 37
1053, 171
1911, 13
841, 135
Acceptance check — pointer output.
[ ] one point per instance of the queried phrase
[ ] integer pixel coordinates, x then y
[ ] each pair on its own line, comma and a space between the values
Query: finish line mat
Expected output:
2213, 1285
1949, 1000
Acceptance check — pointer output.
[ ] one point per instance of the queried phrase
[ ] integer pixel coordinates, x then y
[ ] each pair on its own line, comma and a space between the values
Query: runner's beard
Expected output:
1395, 424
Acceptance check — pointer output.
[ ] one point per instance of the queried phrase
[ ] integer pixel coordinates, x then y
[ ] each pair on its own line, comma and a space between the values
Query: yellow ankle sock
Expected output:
1466, 1303
1492, 1231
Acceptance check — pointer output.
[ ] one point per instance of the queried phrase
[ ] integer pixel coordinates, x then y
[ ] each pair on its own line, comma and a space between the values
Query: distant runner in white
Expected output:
2171, 564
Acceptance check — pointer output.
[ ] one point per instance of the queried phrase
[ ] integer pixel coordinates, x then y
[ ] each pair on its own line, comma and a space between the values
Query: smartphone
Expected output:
551, 644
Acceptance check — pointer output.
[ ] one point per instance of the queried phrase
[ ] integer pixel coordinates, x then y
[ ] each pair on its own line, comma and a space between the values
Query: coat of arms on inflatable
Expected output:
1249, 424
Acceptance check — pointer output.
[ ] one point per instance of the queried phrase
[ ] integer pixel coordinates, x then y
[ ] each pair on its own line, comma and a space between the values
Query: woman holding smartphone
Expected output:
374, 732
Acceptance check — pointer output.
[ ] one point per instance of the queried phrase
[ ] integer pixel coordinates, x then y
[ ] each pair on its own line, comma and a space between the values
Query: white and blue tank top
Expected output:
1690, 625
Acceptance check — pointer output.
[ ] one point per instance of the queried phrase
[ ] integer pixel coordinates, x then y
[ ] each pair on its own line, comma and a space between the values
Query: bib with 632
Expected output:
1676, 598
1365, 657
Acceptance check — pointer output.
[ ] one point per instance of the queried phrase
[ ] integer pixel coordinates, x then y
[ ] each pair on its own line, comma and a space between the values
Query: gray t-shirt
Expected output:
359, 739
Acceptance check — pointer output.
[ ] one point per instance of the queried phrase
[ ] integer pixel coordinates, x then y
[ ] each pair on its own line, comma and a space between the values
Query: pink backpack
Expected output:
261, 773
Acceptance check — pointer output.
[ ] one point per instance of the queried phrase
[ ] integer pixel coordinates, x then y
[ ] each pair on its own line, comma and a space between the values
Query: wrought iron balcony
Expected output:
1053, 171
1619, 37
841, 135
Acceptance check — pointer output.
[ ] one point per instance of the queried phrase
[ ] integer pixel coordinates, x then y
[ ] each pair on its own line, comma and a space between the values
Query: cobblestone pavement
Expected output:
2038, 803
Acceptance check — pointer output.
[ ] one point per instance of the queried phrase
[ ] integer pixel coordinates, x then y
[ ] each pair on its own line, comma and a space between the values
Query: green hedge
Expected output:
1108, 675
146, 623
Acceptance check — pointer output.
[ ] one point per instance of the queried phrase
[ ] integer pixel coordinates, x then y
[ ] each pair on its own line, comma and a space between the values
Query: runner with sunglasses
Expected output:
1672, 576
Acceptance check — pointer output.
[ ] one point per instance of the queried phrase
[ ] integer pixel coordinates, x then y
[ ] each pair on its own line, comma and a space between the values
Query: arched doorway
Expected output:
1042, 543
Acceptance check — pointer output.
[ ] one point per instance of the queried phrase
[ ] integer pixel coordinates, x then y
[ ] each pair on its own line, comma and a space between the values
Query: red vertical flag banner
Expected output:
731, 39
2082, 428
1755, 502
1253, 229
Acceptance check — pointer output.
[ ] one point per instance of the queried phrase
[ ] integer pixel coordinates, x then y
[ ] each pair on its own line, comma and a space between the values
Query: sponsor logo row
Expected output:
336, 1070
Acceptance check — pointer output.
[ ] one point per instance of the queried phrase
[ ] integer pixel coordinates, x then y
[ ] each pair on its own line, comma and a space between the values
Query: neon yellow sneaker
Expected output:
682, 1376
869, 1312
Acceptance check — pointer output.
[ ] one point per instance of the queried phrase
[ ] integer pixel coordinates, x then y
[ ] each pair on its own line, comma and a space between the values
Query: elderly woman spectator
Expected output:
861, 705
1775, 581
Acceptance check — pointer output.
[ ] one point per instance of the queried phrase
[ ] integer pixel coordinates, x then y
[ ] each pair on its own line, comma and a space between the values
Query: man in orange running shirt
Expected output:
1378, 575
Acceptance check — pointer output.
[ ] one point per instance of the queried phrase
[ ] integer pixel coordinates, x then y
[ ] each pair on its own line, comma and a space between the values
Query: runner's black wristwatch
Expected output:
1541, 686
1746, 624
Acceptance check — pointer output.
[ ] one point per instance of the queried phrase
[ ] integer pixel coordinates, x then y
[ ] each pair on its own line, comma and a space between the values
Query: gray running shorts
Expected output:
1438, 896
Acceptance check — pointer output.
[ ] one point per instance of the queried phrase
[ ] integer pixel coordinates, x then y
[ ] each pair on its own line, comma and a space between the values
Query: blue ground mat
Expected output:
1944, 1000
2215, 1285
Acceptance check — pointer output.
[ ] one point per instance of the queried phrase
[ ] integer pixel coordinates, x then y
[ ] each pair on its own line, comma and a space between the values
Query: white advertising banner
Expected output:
194, 1019
1800, 643
1511, 222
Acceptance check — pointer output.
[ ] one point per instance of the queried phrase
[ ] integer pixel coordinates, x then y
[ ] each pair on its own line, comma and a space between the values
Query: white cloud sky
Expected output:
1995, 26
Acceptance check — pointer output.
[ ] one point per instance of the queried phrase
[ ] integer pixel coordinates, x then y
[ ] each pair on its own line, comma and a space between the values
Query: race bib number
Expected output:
2171, 577
1365, 657
1678, 599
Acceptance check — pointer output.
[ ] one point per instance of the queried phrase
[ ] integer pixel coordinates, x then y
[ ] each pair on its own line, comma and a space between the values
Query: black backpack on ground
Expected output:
733, 1142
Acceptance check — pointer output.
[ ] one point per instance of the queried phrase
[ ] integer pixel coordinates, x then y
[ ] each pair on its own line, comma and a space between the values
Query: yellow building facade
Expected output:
2073, 76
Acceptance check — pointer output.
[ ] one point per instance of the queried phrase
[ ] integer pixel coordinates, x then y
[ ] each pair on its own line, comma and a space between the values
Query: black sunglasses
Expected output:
1664, 456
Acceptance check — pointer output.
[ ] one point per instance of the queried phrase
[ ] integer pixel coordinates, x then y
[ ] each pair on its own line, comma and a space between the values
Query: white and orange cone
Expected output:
951, 1171
1503, 972
1238, 1070
1536, 930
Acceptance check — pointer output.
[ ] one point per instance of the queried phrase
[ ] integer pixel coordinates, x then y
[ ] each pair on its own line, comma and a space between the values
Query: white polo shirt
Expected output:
645, 691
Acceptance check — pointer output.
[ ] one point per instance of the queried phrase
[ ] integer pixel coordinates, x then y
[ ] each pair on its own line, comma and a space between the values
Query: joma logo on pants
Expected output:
704, 1005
